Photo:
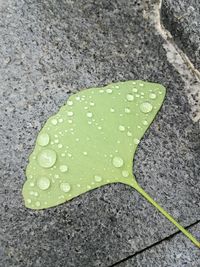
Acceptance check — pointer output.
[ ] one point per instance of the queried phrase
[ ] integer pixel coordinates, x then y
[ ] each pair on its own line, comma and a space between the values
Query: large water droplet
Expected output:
43, 139
65, 187
146, 107
46, 158
43, 183
97, 178
152, 96
63, 168
130, 97
118, 162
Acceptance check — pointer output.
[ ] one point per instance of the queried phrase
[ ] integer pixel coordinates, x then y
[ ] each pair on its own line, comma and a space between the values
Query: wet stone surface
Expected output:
49, 50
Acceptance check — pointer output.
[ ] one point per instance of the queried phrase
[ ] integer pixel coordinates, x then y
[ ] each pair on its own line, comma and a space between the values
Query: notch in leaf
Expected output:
91, 142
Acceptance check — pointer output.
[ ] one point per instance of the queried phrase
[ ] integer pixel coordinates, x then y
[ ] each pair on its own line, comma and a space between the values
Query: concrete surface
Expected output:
182, 19
51, 49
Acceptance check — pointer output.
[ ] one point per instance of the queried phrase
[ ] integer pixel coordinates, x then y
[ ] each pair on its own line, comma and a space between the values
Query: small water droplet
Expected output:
101, 91
70, 113
78, 98
63, 168
89, 187
112, 110
129, 133
43, 183
70, 121
65, 187
130, 97
99, 127
152, 96
145, 122
89, 114
109, 91
125, 173
91, 104
121, 128
70, 103
146, 107
56, 141
127, 110
137, 95
46, 158
60, 120
85, 153
69, 155
136, 141
133, 82
60, 145
29, 201
117, 162
32, 184
43, 139
141, 84
54, 121
37, 203
97, 178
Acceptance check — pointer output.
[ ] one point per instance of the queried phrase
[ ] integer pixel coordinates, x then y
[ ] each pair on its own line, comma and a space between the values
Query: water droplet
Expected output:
129, 133
97, 178
127, 110
136, 141
43, 139
54, 121
141, 84
46, 158
70, 113
121, 128
146, 107
89, 187
101, 91
109, 91
133, 82
91, 104
43, 183
32, 184
70, 121
125, 173
37, 203
60, 120
130, 97
137, 95
60, 145
152, 96
70, 103
63, 168
65, 187
56, 141
145, 122
99, 127
118, 162
29, 201
69, 155
78, 98
89, 114
85, 153
85, 107
112, 110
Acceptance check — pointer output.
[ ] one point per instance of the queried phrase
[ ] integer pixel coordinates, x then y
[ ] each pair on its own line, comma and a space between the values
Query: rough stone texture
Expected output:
174, 252
182, 19
50, 49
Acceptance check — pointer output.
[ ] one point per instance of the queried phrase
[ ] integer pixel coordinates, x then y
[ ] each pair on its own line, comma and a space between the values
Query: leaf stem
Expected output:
167, 215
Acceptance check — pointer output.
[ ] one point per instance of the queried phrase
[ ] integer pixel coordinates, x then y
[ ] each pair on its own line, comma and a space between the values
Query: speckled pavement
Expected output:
50, 50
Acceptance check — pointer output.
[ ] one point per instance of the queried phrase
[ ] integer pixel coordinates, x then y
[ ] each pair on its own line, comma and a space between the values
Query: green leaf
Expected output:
91, 142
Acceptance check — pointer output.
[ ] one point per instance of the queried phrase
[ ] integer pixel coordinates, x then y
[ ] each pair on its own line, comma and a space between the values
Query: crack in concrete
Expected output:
153, 245
180, 61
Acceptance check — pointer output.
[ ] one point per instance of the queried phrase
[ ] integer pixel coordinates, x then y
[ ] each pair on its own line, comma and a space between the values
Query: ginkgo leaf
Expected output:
91, 142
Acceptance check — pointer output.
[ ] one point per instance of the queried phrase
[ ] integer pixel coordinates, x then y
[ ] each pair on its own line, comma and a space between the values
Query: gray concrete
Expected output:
182, 19
174, 252
49, 50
